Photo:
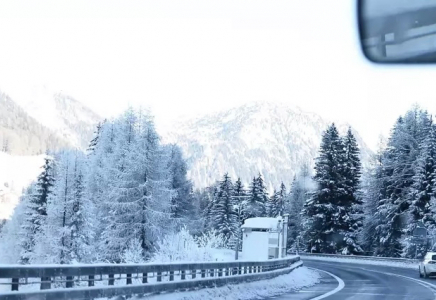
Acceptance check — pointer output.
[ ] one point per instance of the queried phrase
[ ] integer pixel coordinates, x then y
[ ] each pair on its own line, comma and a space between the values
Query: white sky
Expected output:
184, 58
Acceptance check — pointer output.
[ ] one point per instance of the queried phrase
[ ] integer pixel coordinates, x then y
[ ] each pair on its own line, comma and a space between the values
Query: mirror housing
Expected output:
394, 31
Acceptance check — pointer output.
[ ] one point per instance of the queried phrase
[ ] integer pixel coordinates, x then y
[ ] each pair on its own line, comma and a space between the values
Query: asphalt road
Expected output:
359, 281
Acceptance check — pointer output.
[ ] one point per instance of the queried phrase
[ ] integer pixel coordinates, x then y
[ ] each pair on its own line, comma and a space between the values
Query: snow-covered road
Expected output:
365, 282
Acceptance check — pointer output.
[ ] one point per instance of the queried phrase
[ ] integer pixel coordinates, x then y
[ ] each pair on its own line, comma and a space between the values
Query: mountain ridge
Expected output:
274, 139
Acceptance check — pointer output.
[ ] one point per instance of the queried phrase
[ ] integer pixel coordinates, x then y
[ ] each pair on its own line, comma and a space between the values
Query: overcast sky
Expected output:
185, 58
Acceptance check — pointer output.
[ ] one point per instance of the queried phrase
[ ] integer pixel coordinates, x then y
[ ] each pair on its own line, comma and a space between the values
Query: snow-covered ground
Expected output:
399, 264
16, 173
297, 279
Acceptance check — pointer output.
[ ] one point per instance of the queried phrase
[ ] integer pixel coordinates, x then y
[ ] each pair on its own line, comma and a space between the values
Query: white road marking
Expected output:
426, 284
341, 285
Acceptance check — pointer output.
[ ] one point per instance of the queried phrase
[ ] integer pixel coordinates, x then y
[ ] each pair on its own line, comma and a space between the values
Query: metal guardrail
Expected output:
362, 257
67, 281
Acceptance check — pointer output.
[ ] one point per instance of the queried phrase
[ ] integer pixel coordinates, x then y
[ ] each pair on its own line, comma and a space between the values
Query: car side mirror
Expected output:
393, 31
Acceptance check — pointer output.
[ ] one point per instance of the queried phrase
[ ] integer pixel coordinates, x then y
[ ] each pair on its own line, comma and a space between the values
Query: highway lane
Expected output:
365, 282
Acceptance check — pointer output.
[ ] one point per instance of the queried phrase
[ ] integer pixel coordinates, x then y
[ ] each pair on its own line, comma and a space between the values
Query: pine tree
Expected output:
181, 206
352, 206
256, 204
95, 140
272, 205
281, 200
140, 196
372, 184
421, 193
325, 226
67, 232
240, 199
36, 210
398, 172
225, 218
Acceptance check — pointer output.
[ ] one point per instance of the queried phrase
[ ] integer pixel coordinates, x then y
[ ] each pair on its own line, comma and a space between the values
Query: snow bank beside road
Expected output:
398, 264
297, 279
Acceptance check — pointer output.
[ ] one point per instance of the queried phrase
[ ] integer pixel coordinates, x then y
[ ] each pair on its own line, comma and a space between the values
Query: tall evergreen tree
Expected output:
324, 210
272, 205
66, 235
398, 172
36, 210
225, 219
353, 210
181, 206
421, 193
256, 204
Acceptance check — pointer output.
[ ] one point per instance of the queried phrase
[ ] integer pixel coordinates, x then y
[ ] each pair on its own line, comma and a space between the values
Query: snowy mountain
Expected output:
31, 125
270, 138
23, 135
67, 117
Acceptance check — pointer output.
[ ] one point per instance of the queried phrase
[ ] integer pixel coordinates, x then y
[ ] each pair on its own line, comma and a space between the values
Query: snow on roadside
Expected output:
398, 264
297, 279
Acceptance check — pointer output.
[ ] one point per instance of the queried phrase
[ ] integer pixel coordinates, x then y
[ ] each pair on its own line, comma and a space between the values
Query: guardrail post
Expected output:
159, 276
129, 279
183, 276
250, 269
45, 283
15, 283
211, 273
171, 275
111, 279
193, 274
203, 273
239, 269
90, 280
69, 281
220, 272
144, 278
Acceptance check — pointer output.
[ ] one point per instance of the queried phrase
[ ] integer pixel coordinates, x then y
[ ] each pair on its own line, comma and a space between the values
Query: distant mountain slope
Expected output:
77, 123
67, 117
270, 138
21, 134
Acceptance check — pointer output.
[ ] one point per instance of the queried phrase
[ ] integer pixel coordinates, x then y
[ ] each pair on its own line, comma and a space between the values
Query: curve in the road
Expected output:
365, 282
340, 286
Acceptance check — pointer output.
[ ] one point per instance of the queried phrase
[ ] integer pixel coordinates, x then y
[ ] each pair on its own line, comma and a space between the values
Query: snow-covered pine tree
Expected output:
98, 181
300, 191
93, 143
421, 193
211, 194
256, 204
240, 199
36, 210
139, 202
67, 233
225, 220
262, 195
352, 206
372, 184
281, 200
271, 204
181, 206
324, 228
398, 172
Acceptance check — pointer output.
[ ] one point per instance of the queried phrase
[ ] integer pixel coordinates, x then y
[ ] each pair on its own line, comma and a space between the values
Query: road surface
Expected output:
364, 282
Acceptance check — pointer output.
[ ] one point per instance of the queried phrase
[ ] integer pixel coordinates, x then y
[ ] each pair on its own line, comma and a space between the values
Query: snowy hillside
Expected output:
274, 139
16, 173
23, 135
68, 118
